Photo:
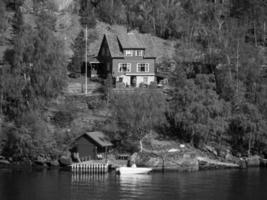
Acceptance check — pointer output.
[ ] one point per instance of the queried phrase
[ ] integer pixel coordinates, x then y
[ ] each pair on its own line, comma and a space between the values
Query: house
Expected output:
127, 58
91, 145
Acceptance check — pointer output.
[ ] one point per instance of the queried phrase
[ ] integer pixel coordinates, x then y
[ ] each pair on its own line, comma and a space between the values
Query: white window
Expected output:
124, 67
142, 67
138, 52
128, 52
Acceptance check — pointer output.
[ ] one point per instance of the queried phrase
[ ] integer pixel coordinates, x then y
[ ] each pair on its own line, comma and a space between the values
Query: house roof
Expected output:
100, 138
131, 41
118, 42
113, 44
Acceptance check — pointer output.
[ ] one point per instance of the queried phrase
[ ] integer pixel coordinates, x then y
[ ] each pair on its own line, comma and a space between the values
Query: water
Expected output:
57, 185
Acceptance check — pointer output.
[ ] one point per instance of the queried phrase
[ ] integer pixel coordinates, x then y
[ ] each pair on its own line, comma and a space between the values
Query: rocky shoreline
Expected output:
185, 164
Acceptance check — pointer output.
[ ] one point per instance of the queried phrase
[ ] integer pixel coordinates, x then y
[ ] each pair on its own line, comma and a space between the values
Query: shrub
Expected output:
63, 118
153, 85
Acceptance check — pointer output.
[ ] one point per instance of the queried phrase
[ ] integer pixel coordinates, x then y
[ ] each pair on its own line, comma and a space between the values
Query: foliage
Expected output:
87, 20
37, 71
35, 76
195, 111
63, 118
138, 112
3, 19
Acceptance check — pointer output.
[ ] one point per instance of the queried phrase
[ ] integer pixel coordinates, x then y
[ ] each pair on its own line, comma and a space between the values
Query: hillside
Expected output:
227, 110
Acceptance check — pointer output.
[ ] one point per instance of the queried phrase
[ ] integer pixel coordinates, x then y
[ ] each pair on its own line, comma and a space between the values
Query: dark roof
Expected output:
131, 41
93, 60
113, 44
99, 137
119, 42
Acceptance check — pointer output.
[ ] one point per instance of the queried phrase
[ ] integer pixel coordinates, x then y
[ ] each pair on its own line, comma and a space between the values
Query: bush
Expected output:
153, 85
63, 118
143, 85
95, 103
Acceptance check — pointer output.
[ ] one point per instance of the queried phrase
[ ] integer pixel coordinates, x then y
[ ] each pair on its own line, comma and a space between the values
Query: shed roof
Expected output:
100, 138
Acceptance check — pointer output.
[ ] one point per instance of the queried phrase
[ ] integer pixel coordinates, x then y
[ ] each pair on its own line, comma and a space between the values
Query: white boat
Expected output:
133, 170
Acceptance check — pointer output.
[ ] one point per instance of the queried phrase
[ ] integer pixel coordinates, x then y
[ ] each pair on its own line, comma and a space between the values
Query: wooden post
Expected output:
106, 157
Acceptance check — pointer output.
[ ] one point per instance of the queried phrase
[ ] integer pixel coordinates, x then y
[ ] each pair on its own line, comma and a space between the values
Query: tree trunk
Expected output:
264, 33
255, 34
249, 144
237, 67
141, 145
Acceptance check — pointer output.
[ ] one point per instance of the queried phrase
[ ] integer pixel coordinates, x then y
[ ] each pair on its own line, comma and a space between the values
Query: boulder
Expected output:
211, 150
242, 163
4, 162
207, 163
170, 161
65, 161
53, 163
263, 162
41, 161
189, 165
253, 161
2, 157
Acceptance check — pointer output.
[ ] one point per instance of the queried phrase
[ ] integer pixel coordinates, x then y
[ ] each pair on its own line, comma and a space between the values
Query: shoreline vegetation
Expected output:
212, 114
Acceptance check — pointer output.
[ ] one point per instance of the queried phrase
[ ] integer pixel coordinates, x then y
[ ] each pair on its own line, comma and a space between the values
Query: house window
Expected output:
128, 53
138, 52
124, 67
142, 67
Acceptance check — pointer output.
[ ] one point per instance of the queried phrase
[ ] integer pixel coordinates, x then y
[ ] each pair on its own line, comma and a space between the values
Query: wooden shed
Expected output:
91, 145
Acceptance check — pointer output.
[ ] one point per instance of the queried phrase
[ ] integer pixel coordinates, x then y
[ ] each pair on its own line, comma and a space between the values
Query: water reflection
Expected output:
134, 186
205, 185
86, 179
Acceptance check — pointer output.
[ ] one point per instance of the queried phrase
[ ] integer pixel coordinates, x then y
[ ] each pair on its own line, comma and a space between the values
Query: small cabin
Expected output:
91, 146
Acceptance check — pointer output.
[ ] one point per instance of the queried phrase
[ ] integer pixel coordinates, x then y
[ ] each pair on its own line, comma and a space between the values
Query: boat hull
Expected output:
134, 170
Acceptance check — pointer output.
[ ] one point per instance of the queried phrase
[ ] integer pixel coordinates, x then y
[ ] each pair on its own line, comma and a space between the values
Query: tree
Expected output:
3, 19
36, 75
138, 112
247, 128
196, 114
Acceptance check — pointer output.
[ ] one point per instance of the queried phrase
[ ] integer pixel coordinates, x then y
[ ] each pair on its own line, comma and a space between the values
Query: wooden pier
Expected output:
94, 167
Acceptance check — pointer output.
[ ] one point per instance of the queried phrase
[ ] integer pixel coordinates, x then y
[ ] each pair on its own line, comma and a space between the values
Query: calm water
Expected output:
213, 185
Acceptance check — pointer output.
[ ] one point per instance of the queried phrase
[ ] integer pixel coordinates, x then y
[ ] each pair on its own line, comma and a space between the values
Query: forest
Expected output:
226, 106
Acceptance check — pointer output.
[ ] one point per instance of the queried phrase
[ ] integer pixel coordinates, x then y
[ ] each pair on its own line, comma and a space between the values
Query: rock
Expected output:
53, 163
169, 161
253, 161
263, 162
189, 165
40, 161
4, 162
211, 150
2, 158
242, 163
230, 158
65, 161
207, 163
